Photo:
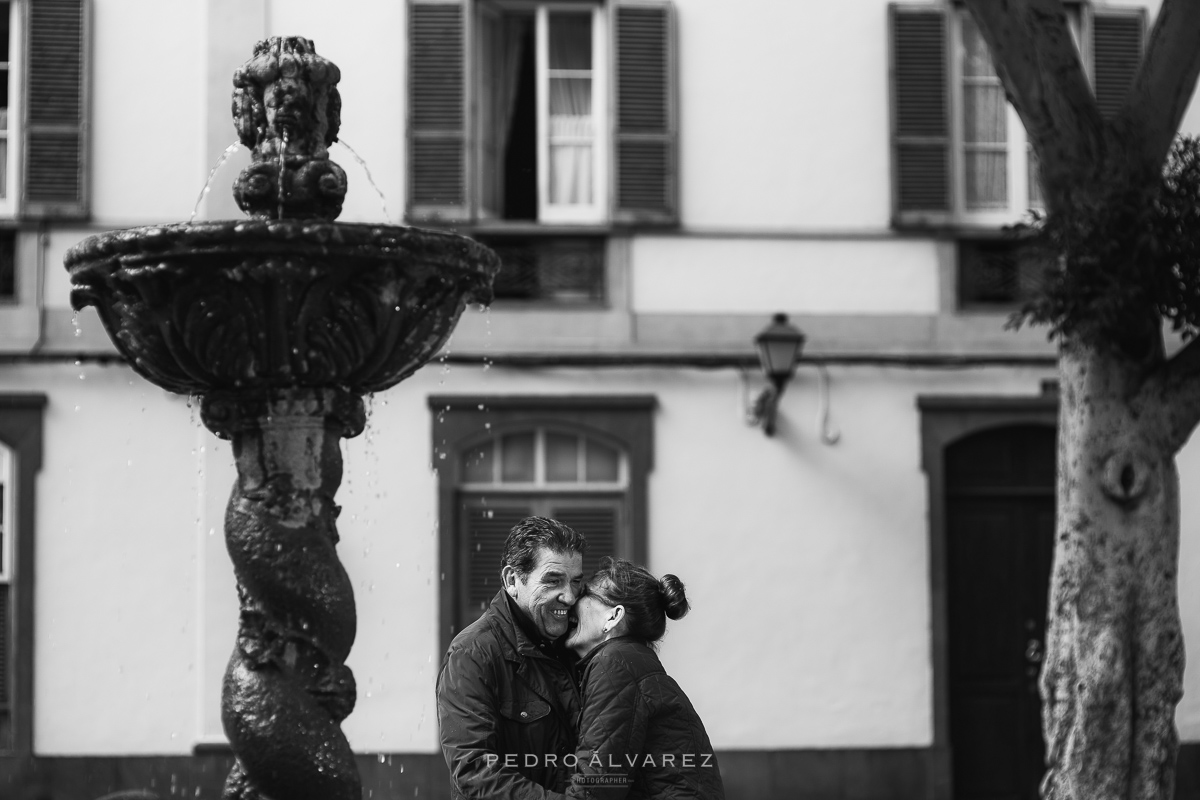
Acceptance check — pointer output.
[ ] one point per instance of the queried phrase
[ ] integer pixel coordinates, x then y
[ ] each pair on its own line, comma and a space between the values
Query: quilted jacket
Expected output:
639, 736
508, 707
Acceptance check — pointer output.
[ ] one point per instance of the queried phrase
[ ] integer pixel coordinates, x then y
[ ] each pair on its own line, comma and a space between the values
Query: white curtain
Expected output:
985, 125
571, 133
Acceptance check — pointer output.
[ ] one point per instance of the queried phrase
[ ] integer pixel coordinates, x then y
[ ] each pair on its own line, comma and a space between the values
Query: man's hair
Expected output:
534, 533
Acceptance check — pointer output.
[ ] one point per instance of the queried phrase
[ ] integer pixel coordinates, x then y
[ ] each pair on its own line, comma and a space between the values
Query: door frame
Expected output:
945, 419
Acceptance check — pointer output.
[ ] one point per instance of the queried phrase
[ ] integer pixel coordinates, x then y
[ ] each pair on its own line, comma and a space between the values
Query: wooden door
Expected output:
1000, 533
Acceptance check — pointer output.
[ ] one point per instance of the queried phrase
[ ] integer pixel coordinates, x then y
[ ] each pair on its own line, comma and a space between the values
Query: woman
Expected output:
638, 735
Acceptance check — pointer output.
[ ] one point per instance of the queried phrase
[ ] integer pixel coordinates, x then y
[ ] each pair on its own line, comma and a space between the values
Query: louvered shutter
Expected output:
1117, 41
485, 527
920, 113
55, 144
645, 158
437, 111
599, 521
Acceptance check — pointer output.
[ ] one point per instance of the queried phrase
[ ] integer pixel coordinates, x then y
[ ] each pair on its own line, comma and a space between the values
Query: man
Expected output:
508, 706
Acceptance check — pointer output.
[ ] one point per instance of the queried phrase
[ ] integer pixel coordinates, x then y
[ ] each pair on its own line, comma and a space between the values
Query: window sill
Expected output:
501, 227
946, 226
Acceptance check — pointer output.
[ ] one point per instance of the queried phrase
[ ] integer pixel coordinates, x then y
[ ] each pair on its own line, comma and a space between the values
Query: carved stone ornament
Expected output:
280, 324
287, 110
257, 304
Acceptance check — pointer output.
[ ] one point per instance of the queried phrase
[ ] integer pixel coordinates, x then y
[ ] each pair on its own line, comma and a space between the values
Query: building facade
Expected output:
868, 585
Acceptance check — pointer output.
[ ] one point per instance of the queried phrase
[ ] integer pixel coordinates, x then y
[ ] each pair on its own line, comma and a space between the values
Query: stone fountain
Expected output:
280, 323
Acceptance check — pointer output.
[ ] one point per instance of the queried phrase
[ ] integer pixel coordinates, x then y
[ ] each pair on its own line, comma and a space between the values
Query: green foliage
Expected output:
1131, 262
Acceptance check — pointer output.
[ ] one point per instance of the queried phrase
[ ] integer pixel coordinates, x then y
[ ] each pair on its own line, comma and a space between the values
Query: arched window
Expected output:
580, 460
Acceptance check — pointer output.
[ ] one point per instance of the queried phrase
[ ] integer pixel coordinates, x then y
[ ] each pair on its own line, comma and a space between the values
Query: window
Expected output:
21, 419
510, 117
541, 126
43, 146
960, 154
582, 460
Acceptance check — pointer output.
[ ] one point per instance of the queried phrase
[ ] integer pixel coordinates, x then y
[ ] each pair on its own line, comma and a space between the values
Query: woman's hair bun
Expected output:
674, 599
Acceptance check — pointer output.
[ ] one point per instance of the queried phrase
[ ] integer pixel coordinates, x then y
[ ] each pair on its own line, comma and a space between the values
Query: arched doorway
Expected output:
999, 518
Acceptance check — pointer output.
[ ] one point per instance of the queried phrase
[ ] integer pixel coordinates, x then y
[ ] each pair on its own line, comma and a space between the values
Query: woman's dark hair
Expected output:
649, 601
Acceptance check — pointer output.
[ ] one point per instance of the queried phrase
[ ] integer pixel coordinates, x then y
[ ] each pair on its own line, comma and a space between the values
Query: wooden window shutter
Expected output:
437, 111
645, 158
920, 110
1117, 42
55, 143
485, 527
600, 522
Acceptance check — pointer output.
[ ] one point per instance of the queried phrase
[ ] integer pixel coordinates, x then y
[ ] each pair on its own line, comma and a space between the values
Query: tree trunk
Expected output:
1114, 666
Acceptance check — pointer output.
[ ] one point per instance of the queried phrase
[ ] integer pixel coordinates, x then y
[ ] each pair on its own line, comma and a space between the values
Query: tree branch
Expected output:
1163, 86
1038, 63
1170, 397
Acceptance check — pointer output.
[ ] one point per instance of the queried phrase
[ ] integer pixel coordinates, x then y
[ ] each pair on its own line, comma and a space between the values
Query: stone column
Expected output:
287, 687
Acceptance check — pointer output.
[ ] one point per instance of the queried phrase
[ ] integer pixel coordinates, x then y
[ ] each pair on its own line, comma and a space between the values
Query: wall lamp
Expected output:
779, 346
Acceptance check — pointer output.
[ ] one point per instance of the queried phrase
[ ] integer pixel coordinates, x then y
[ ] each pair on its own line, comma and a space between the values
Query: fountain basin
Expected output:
268, 304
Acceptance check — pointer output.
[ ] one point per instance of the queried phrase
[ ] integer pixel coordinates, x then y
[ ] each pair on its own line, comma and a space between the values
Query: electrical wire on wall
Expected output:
830, 436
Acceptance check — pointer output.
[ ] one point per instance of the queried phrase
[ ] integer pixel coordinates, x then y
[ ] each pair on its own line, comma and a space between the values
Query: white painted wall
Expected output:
784, 115
147, 121
683, 274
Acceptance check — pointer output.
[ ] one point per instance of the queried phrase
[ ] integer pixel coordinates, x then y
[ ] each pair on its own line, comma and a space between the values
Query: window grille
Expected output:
1002, 274
560, 270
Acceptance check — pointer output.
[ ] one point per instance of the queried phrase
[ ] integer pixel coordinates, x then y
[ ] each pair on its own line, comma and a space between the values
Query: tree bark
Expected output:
1114, 665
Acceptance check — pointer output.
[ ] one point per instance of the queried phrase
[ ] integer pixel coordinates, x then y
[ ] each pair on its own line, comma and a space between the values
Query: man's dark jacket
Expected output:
637, 723
503, 691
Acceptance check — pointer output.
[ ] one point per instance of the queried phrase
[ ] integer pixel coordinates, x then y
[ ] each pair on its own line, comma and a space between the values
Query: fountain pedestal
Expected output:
280, 324
287, 687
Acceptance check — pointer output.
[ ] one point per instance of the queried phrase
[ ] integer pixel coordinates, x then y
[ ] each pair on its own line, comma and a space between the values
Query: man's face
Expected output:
547, 594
